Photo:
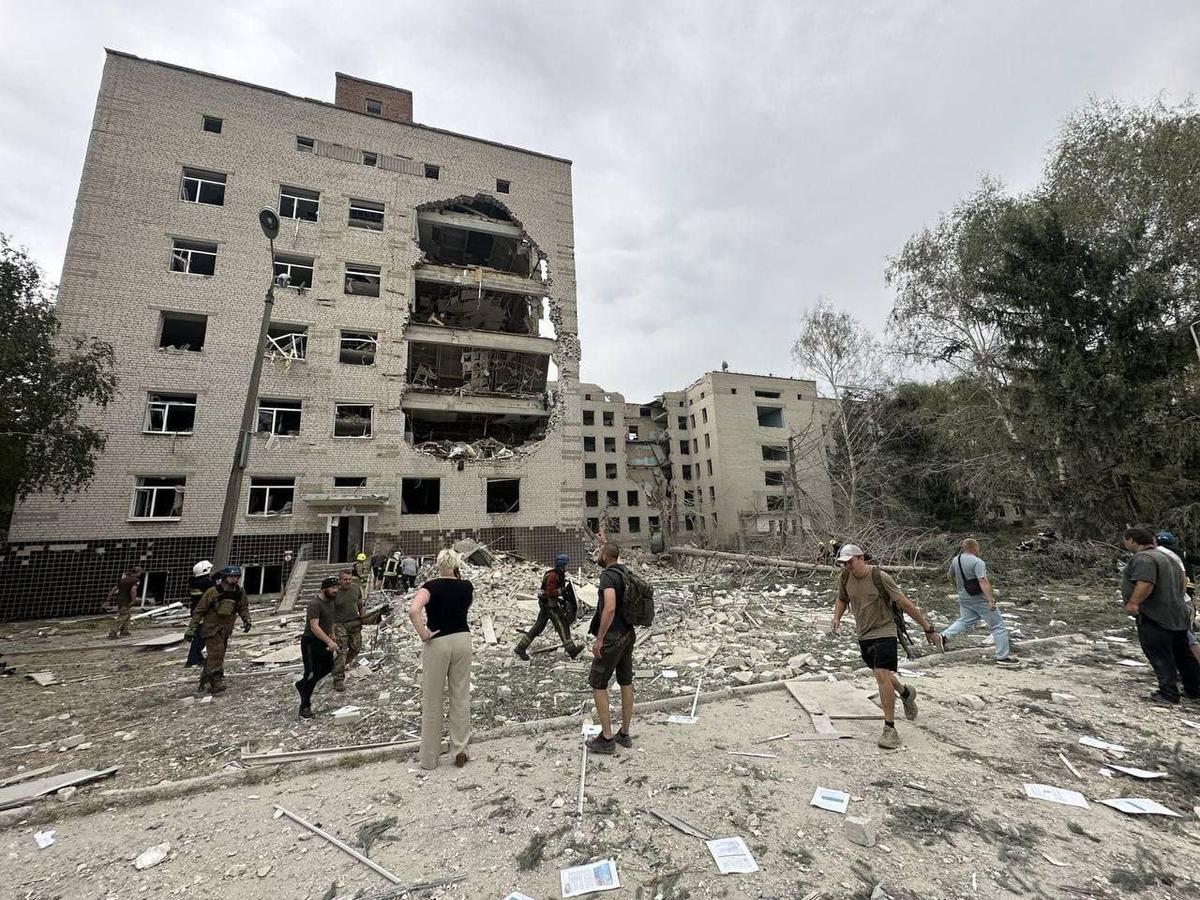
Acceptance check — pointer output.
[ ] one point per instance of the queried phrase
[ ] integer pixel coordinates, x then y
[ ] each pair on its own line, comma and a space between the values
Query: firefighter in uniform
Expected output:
214, 615
199, 584
556, 603
391, 571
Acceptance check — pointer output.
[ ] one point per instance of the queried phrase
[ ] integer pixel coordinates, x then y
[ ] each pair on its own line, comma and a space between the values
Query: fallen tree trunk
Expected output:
777, 562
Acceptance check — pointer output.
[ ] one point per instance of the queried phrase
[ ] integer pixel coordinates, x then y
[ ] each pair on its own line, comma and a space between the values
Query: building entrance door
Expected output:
346, 535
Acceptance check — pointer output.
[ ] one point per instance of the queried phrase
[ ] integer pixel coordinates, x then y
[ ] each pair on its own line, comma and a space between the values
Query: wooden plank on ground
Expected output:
25, 776
680, 824
816, 712
43, 679
162, 640
836, 699
20, 794
489, 629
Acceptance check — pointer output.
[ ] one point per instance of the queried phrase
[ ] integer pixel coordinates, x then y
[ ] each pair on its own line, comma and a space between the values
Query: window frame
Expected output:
167, 400
164, 314
183, 250
269, 405
206, 119
368, 101
503, 186
365, 206
370, 420
362, 273
361, 337
370, 155
267, 491
487, 499
305, 144
302, 343
141, 489
296, 197
287, 262
199, 177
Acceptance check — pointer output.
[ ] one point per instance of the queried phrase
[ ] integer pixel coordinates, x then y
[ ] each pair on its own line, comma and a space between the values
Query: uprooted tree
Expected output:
45, 382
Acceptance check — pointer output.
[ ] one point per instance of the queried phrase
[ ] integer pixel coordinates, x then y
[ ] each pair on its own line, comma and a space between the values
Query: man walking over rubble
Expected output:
408, 574
612, 652
318, 649
214, 615
976, 603
198, 586
391, 571
125, 593
872, 595
348, 608
556, 605
1152, 588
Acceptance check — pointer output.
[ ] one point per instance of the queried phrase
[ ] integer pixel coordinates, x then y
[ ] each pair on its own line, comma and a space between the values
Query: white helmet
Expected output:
201, 568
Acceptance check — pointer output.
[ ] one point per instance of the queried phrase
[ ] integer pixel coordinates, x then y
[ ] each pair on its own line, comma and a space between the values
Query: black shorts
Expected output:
615, 656
880, 653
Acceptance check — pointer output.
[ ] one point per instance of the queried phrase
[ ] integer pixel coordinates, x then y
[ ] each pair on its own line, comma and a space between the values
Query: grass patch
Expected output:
932, 823
801, 856
1143, 873
531, 856
1036, 693
1076, 828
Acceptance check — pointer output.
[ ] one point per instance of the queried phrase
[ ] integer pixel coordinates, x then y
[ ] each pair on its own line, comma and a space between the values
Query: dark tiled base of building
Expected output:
43, 580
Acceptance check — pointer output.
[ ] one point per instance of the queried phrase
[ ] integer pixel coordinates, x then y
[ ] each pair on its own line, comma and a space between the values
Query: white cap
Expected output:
849, 551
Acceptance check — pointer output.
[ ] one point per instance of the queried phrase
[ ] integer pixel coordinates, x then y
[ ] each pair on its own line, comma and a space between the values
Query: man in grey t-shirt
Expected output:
969, 572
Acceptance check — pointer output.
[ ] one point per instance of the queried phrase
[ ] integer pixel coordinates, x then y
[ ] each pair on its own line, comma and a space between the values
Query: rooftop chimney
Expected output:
360, 95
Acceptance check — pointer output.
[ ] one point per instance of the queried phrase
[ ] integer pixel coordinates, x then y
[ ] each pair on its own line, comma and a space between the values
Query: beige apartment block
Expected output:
425, 293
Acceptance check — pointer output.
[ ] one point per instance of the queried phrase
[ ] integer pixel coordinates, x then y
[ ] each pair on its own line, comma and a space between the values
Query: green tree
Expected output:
45, 382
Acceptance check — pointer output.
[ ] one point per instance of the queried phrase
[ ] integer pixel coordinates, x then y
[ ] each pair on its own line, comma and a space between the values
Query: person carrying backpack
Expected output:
556, 604
626, 601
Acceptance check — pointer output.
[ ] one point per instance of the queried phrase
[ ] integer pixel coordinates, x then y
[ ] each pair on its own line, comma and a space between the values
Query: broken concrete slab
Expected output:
288, 654
862, 830
21, 794
43, 679
835, 700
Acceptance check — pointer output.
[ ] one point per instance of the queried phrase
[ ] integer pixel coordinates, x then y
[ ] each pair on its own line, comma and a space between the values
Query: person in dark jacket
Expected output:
198, 586
213, 616
554, 599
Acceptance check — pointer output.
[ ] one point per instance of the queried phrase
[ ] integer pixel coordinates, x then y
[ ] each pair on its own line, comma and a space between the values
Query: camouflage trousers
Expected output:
121, 626
216, 638
349, 641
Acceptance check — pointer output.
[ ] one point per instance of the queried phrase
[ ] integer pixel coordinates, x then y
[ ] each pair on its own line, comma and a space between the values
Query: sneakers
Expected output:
306, 712
890, 739
943, 643
1009, 662
624, 739
521, 652
601, 744
910, 703
1159, 698
460, 759
573, 652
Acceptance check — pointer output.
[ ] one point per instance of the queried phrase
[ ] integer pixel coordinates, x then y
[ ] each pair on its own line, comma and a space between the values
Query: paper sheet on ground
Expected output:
683, 720
1056, 795
731, 855
1139, 806
517, 895
597, 876
1132, 663
1137, 773
827, 798
1102, 745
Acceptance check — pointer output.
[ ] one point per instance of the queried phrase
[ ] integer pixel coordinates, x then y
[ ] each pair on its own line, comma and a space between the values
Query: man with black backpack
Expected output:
626, 601
557, 605
976, 603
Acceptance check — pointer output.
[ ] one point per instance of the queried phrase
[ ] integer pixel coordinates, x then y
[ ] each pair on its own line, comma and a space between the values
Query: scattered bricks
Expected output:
1063, 698
72, 742
862, 830
971, 701
346, 715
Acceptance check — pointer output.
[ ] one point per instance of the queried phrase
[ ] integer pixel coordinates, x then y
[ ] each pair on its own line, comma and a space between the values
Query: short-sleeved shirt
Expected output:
1164, 606
972, 567
322, 610
449, 600
872, 612
127, 589
409, 566
609, 578
345, 604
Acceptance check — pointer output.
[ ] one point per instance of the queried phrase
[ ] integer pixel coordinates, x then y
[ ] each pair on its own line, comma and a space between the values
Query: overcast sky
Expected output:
732, 161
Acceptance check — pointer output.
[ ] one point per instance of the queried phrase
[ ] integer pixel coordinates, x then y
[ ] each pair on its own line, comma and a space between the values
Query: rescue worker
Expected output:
317, 647
348, 608
391, 571
198, 586
362, 569
557, 604
214, 615
408, 574
125, 593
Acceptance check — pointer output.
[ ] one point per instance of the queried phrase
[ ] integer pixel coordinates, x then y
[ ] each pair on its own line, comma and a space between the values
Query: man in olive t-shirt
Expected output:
347, 627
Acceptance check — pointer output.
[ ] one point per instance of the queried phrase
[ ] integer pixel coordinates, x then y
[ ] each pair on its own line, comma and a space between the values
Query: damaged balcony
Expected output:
470, 435
476, 371
480, 307
475, 233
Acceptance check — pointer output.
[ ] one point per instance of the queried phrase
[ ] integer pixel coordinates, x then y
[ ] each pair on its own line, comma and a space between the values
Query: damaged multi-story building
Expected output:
424, 303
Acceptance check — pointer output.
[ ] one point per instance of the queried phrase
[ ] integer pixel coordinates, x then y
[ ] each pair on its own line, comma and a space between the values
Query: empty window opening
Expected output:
373, 107
587, 396
685, 448
366, 214
362, 280
708, 463
194, 257
358, 348
707, 443
287, 341
608, 419
305, 144
293, 271
610, 470
589, 470
352, 420
695, 445
704, 416
770, 416
502, 186
476, 232
613, 498
610, 445
772, 453
591, 498
689, 498
158, 497
369, 158
431, 429
631, 498
420, 496
593, 525
299, 203
682, 424
652, 521
589, 418
689, 522
504, 495
471, 370
687, 473
612, 525
484, 309
170, 414
635, 525
212, 124
258, 580
202, 186
349, 482
769, 395
182, 331
589, 444
279, 417
631, 434
271, 496
432, 171
712, 493
773, 479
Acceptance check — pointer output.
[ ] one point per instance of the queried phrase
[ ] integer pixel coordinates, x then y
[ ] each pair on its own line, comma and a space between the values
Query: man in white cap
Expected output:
872, 597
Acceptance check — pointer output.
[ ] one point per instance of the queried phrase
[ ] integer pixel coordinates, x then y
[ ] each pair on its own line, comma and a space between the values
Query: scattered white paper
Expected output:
1139, 806
44, 839
1119, 640
589, 730
683, 720
827, 798
598, 876
1132, 663
517, 895
732, 855
669, 673
1056, 795
1102, 745
1137, 773
1190, 724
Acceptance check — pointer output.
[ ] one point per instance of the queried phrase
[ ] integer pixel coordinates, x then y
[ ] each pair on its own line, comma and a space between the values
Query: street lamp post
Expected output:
268, 220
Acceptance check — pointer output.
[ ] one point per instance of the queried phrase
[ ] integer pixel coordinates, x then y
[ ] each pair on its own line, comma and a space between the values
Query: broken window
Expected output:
687, 473
373, 107
170, 414
475, 232
635, 525
352, 420
490, 435
287, 341
503, 495
258, 580
358, 348
279, 417
362, 280
366, 214
349, 482
589, 417
593, 525
420, 496
271, 496
432, 171
631, 433
613, 498
202, 186
194, 257
652, 521
589, 444
212, 124
682, 423
182, 331
773, 479
305, 144
473, 370
369, 158
502, 186
707, 443
293, 271
485, 309
158, 497
689, 522
589, 470
610, 445
685, 448
704, 415
299, 203
608, 419
775, 503
771, 453
610, 470
631, 498
612, 525
689, 498
591, 498
770, 416
768, 395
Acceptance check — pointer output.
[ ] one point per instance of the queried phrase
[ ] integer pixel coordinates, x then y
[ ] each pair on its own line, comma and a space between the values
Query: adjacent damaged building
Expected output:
421, 376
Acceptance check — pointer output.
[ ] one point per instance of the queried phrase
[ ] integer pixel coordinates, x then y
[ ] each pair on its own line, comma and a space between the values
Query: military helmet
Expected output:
562, 559
235, 571
1165, 537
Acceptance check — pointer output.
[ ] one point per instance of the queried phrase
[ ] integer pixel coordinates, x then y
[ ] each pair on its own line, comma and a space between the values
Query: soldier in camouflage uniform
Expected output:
125, 593
214, 615
348, 608
362, 570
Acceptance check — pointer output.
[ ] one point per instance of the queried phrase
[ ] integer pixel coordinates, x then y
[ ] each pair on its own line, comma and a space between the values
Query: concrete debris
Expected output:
862, 830
43, 679
1058, 697
346, 715
152, 856
971, 701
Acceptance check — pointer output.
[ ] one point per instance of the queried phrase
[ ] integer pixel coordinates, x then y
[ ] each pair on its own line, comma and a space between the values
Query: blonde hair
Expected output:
447, 561
970, 545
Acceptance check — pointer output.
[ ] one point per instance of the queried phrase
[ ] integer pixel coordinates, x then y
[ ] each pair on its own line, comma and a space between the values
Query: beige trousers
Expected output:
445, 661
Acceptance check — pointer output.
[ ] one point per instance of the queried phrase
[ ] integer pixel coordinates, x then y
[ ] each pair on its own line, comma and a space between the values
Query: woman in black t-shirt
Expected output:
442, 603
